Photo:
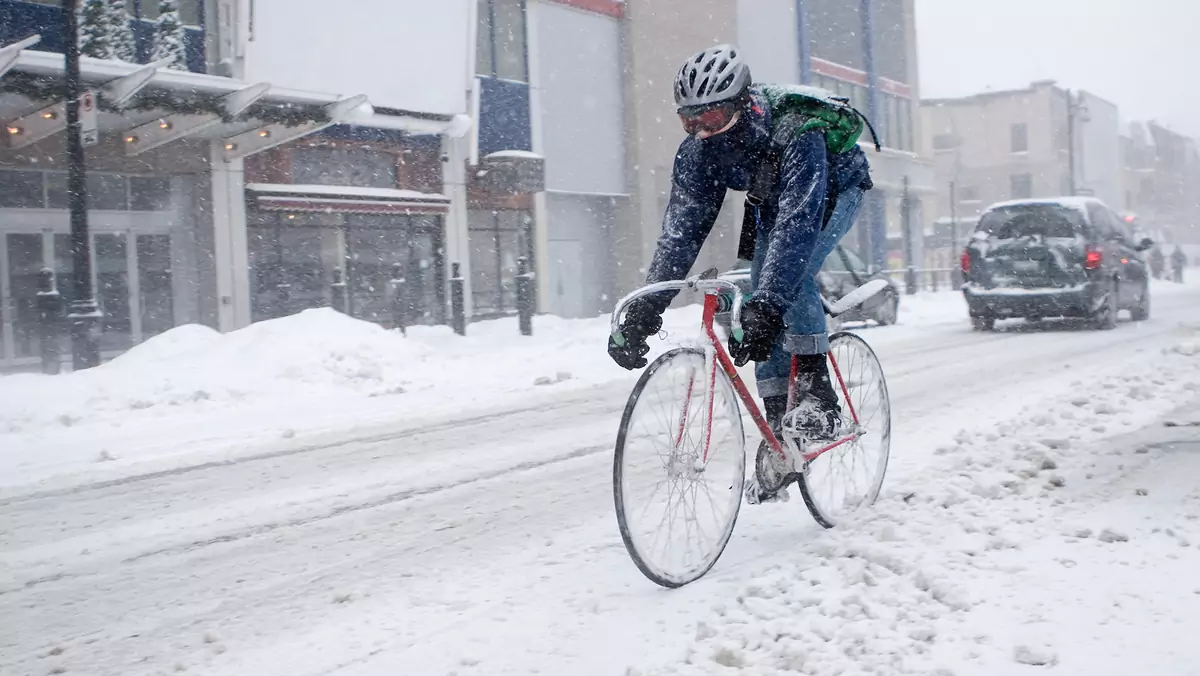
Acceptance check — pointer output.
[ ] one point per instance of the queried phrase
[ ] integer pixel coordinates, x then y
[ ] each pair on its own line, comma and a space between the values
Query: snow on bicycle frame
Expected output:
721, 295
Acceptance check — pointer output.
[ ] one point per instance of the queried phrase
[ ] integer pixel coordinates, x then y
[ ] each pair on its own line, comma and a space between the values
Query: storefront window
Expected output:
149, 193
498, 239
294, 259
189, 10
24, 263
287, 266
344, 167
112, 291
107, 191
381, 249
154, 284
21, 190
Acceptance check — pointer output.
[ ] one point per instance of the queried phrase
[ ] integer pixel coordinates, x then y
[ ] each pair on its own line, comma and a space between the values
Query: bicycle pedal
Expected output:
755, 497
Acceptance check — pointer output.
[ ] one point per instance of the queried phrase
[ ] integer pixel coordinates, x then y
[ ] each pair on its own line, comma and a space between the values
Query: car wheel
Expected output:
889, 309
983, 322
1105, 319
1141, 311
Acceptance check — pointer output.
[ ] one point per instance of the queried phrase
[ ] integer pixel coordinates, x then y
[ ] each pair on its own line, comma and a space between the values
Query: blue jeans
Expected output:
805, 332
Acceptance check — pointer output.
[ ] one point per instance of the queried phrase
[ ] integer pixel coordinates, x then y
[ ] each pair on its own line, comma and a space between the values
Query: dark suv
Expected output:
1061, 257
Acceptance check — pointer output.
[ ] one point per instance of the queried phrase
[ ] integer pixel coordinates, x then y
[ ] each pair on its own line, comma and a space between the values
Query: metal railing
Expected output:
915, 280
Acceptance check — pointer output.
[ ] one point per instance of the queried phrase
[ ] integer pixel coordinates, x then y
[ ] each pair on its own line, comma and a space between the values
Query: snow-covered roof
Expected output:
344, 191
523, 154
345, 199
1077, 203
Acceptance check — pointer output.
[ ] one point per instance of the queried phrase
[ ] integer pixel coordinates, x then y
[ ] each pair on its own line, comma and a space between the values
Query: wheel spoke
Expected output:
676, 537
848, 477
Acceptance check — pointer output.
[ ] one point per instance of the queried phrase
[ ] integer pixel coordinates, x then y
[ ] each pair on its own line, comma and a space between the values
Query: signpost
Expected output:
88, 127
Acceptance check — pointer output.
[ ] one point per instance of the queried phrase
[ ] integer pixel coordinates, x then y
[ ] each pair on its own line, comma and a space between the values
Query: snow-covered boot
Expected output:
771, 472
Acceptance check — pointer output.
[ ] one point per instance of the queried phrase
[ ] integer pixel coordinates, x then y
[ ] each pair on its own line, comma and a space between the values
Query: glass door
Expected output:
156, 300
112, 291
25, 258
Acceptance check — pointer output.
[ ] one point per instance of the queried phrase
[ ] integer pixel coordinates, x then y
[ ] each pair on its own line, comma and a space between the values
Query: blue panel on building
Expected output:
503, 116
19, 20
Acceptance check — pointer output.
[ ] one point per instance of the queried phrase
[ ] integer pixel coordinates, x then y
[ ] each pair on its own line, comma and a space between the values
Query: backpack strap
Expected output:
766, 176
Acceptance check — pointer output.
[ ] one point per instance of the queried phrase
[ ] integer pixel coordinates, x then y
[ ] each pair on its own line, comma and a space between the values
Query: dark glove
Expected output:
761, 326
641, 320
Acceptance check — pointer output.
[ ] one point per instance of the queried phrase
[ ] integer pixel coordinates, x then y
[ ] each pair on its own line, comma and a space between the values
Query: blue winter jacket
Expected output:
793, 214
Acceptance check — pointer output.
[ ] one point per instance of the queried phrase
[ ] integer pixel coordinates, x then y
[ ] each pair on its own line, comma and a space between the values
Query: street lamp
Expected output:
83, 314
1076, 110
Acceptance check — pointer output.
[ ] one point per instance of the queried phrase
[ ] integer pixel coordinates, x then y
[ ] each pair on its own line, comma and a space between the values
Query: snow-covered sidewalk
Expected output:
1066, 539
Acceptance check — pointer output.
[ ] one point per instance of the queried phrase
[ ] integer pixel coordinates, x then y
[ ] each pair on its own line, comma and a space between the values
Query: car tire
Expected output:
1141, 311
983, 322
889, 310
1105, 319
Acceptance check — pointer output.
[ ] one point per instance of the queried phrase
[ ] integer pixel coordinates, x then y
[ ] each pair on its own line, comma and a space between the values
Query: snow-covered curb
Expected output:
974, 565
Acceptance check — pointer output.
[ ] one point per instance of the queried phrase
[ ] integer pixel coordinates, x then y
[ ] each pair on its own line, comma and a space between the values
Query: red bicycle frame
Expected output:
721, 358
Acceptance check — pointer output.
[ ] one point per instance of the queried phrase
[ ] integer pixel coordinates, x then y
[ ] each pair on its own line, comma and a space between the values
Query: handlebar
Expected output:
699, 283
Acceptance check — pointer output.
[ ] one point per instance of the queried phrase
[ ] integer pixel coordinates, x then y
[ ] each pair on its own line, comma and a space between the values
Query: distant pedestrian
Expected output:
1178, 261
1158, 262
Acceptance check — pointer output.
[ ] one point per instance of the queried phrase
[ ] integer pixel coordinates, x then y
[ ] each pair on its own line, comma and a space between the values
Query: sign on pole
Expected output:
88, 119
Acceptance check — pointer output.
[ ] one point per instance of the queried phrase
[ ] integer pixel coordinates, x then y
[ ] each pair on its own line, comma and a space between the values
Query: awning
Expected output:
150, 105
343, 199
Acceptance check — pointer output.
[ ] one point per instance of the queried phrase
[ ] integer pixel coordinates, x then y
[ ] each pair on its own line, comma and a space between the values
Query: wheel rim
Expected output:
849, 477
889, 310
676, 510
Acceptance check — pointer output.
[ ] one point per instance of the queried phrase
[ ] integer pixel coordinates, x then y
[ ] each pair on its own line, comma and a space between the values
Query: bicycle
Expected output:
707, 461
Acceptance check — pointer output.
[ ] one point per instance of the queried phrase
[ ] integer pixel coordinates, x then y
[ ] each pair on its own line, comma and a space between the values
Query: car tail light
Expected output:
1093, 260
966, 262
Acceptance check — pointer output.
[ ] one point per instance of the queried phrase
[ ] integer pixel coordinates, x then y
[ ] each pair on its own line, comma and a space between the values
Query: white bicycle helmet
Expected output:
713, 75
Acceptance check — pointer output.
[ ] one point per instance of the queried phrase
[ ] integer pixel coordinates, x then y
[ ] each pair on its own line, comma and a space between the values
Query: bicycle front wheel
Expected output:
678, 471
847, 478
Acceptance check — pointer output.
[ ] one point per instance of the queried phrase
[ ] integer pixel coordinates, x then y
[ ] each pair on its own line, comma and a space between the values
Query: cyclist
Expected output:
806, 199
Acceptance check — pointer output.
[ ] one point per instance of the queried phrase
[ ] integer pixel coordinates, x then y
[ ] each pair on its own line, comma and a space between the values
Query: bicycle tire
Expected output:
645, 562
882, 423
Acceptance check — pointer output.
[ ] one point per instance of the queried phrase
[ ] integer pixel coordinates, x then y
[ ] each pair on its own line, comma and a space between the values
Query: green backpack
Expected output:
795, 110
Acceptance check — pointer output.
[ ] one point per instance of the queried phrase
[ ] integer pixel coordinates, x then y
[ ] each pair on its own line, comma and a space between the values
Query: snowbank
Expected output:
1009, 550
316, 355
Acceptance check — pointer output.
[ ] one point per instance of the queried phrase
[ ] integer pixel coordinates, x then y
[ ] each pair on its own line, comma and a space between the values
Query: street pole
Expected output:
1071, 139
84, 314
956, 268
910, 272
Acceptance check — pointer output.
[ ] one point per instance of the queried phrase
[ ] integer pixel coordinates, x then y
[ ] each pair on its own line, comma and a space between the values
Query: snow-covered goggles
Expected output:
711, 119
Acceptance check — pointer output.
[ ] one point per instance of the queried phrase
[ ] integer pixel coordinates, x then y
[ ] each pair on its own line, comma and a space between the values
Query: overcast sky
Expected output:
1142, 55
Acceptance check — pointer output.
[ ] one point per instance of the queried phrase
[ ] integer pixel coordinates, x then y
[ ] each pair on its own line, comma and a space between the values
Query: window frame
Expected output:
1023, 135
488, 23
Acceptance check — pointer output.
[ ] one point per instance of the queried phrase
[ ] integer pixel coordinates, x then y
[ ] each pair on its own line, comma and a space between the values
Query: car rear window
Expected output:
1047, 220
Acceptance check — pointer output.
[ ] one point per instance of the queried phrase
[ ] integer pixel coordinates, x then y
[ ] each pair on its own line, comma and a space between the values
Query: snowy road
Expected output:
486, 546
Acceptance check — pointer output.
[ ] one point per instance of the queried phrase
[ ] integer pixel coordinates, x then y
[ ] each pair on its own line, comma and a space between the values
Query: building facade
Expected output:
247, 186
1161, 169
864, 50
609, 158
1042, 141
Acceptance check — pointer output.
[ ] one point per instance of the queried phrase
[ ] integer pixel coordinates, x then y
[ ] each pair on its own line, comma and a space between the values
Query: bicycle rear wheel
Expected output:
676, 504
849, 477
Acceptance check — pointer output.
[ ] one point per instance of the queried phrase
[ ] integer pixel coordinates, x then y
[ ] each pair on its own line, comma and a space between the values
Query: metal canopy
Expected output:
176, 126
29, 129
271, 135
143, 130
9, 54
